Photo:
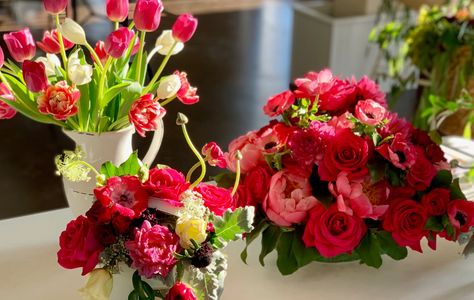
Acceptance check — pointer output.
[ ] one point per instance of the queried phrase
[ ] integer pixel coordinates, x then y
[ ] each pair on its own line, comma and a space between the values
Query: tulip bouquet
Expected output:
156, 222
107, 94
340, 178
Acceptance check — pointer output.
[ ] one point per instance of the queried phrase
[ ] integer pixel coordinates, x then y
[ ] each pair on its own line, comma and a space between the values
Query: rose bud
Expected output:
117, 10
55, 6
181, 291
147, 15
100, 51
20, 44
34, 74
118, 42
50, 42
184, 27
73, 32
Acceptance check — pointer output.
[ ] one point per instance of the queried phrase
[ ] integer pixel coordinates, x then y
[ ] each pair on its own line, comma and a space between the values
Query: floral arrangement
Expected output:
337, 177
156, 222
95, 89
436, 53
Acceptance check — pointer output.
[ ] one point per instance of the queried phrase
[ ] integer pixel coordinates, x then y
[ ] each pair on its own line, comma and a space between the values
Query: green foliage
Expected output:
141, 289
131, 166
270, 238
456, 192
225, 180
370, 250
435, 224
443, 178
251, 236
232, 225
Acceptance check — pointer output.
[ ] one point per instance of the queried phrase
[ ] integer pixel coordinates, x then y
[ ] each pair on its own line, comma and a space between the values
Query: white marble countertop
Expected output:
29, 270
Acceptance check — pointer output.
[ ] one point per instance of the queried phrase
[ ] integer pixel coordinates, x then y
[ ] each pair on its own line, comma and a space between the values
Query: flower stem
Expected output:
140, 56
167, 101
191, 171
237, 173
101, 95
95, 56
117, 25
61, 42
160, 69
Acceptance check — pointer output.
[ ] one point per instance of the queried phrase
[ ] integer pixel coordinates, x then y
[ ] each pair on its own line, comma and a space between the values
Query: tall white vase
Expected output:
115, 146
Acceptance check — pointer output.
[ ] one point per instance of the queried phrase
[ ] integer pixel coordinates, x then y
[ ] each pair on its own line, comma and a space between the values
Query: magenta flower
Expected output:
117, 10
184, 27
118, 42
186, 94
147, 15
34, 74
20, 44
214, 155
152, 250
6, 111
55, 6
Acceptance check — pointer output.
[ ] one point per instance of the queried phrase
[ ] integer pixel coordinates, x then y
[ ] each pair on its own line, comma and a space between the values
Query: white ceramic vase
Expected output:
115, 146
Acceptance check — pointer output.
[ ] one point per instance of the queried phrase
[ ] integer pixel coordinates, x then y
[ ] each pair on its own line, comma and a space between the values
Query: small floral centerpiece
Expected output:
337, 177
166, 229
97, 89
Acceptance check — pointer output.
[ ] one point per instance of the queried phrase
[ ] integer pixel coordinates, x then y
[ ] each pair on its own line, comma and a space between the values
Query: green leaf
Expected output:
232, 225
84, 106
129, 95
225, 180
456, 192
434, 224
390, 247
304, 255
377, 171
251, 236
369, 250
130, 167
443, 178
286, 261
270, 238
111, 93
133, 296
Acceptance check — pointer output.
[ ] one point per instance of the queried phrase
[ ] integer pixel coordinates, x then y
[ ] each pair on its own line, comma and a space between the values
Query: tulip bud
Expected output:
118, 42
20, 44
50, 42
51, 62
55, 6
73, 32
117, 10
98, 286
168, 87
2, 57
100, 51
165, 41
34, 74
147, 15
184, 27
78, 73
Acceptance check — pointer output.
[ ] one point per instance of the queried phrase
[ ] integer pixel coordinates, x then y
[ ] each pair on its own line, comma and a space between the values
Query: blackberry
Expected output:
203, 257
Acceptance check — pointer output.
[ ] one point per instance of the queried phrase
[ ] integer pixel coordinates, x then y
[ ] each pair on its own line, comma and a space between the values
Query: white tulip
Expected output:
51, 62
73, 32
78, 73
98, 286
165, 41
168, 87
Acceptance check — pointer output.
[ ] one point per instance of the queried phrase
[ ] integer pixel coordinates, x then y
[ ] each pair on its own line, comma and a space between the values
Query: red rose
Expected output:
181, 291
421, 173
278, 104
345, 152
333, 232
217, 199
433, 151
257, 182
436, 201
461, 215
167, 184
79, 246
406, 221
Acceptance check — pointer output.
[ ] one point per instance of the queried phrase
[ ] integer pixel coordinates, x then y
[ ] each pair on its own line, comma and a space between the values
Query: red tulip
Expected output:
100, 51
184, 28
34, 74
50, 42
117, 10
118, 42
55, 6
2, 57
147, 15
20, 44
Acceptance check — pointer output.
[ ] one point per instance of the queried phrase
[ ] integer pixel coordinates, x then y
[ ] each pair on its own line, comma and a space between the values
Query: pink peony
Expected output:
6, 111
145, 114
289, 199
360, 197
186, 93
252, 156
399, 152
59, 101
152, 250
167, 184
217, 199
214, 155
368, 89
278, 104
370, 112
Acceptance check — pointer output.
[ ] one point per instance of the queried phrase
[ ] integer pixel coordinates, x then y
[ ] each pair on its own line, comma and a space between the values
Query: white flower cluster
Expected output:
69, 165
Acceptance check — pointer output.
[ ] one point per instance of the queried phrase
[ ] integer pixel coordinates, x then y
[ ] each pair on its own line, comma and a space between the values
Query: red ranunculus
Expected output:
333, 232
79, 246
396, 125
243, 197
187, 94
406, 221
278, 104
421, 173
433, 151
167, 184
257, 182
436, 201
217, 199
59, 101
181, 291
145, 114
461, 215
345, 152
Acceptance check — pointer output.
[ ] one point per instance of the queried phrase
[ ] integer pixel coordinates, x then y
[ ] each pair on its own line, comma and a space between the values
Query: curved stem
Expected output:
160, 69
191, 171
167, 101
198, 155
140, 57
61, 42
95, 56
237, 178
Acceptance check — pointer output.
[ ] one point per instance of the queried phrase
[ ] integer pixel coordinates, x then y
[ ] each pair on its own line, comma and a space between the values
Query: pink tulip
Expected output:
55, 6
147, 15
184, 27
2, 57
34, 74
118, 42
50, 42
20, 44
117, 10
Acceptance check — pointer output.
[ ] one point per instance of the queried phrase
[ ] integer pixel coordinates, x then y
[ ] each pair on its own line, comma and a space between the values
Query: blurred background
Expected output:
243, 52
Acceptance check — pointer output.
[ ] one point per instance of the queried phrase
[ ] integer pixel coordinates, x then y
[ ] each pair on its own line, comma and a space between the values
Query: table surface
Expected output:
29, 271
